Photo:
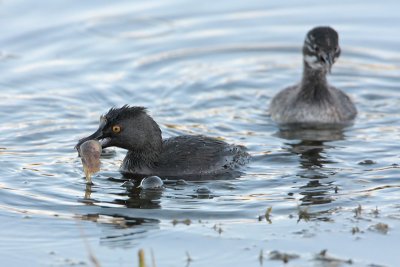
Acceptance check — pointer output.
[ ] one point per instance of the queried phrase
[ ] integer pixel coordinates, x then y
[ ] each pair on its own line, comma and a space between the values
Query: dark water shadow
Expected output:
137, 198
119, 230
224, 175
132, 197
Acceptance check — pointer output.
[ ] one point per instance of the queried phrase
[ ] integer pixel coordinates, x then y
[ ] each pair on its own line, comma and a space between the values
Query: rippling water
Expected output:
201, 68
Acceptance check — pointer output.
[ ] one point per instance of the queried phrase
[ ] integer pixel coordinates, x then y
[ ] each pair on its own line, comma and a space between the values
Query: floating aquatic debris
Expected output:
282, 256
382, 228
376, 265
367, 162
266, 215
188, 259
355, 230
358, 211
306, 233
186, 222
90, 152
322, 256
261, 257
218, 228
303, 215
375, 212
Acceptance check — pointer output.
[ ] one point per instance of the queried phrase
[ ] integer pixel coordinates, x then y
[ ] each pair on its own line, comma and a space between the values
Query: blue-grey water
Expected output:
201, 67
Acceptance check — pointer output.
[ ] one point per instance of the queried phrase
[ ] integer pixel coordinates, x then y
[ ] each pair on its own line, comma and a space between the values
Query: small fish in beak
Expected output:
90, 152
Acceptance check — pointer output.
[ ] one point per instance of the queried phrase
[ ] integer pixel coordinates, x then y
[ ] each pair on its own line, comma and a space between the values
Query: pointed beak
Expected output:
96, 135
328, 59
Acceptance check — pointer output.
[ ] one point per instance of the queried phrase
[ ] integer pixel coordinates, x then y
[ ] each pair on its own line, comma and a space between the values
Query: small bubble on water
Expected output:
152, 182
128, 184
203, 190
367, 162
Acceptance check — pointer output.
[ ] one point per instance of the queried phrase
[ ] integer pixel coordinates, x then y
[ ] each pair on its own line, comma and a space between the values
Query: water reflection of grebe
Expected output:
118, 230
132, 197
313, 162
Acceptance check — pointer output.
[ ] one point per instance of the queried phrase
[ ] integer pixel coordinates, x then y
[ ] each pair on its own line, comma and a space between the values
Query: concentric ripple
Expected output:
129, 27
209, 69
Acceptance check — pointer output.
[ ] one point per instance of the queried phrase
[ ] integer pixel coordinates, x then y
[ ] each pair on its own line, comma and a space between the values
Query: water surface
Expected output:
201, 68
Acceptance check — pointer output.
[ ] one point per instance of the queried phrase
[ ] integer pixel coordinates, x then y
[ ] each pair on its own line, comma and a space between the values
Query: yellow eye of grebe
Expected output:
116, 128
